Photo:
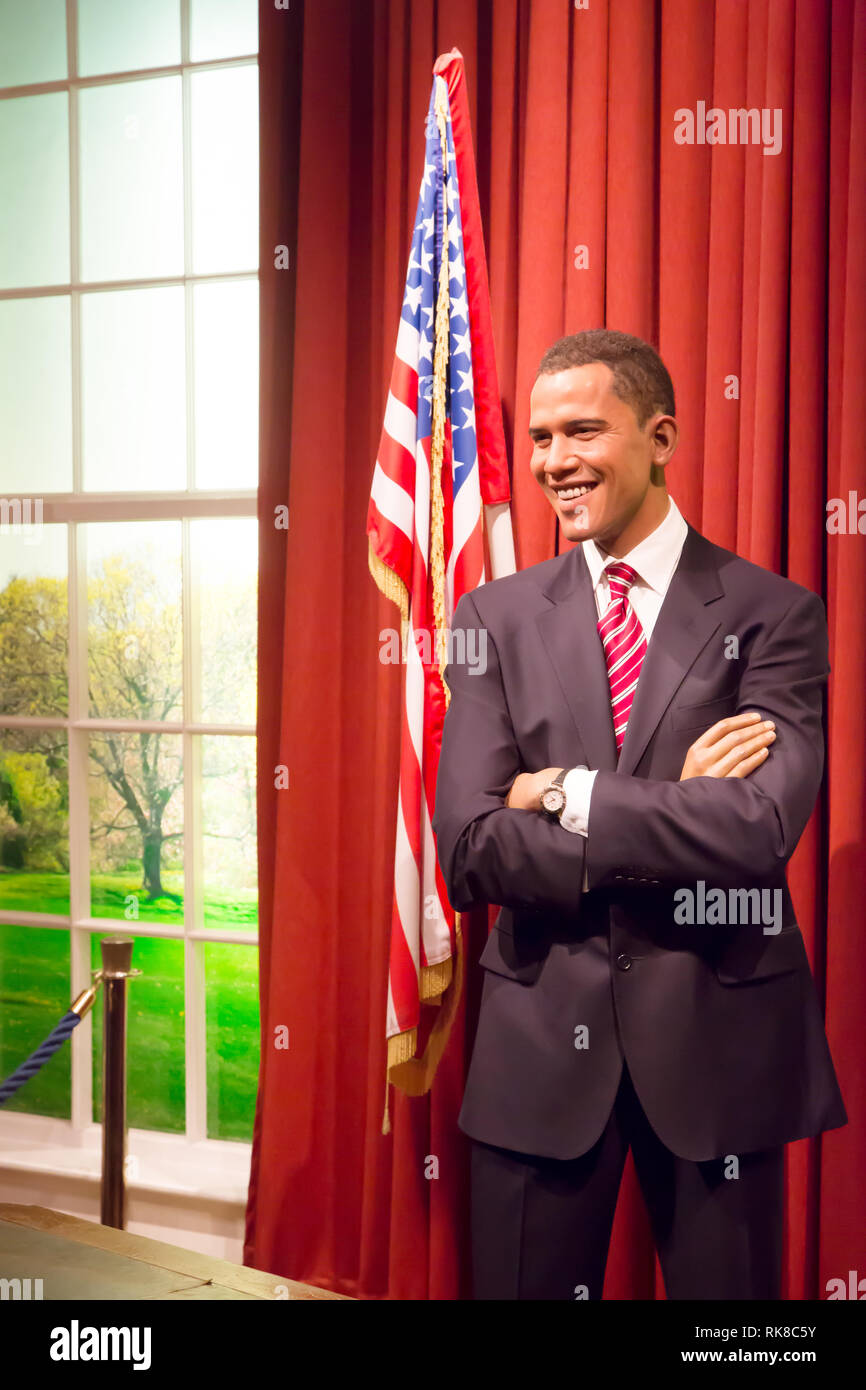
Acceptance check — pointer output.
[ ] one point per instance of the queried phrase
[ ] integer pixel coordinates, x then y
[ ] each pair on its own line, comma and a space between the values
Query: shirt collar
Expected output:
654, 559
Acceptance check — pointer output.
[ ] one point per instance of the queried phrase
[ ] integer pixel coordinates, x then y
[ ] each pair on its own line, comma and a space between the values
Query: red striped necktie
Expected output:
624, 645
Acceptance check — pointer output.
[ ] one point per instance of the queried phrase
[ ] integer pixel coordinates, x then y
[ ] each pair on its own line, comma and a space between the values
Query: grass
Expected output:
110, 894
35, 992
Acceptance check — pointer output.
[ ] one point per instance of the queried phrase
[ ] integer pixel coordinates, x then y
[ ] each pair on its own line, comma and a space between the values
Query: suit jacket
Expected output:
719, 1024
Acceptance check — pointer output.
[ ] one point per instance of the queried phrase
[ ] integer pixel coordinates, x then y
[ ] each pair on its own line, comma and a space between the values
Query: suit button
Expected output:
623, 962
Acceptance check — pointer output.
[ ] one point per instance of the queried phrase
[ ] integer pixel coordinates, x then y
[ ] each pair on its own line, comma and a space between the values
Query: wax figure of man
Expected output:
627, 778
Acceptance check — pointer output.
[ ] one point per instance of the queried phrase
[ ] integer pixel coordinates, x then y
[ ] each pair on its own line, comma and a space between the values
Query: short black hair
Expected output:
640, 377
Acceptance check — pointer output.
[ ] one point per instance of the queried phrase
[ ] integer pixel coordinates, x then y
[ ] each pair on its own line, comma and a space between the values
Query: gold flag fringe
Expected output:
392, 586
402, 1047
414, 1077
434, 980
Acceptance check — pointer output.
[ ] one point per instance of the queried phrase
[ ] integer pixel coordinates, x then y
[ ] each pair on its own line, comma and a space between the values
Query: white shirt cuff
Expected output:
577, 785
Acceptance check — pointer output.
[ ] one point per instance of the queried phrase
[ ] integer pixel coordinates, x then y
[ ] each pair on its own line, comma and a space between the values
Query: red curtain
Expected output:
747, 270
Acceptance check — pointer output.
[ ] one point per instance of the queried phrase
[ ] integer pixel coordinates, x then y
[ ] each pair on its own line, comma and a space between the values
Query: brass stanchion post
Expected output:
116, 959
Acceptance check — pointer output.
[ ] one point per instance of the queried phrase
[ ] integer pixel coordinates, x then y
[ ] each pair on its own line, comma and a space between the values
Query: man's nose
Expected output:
561, 454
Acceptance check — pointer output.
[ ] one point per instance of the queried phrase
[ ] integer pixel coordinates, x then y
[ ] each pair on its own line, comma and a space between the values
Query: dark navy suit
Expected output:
710, 1037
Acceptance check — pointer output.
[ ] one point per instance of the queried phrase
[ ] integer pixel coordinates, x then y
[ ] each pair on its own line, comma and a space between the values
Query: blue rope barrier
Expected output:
56, 1038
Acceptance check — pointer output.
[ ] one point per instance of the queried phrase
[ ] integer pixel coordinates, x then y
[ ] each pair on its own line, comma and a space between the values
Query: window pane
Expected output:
232, 1004
32, 41
131, 180
33, 621
225, 615
121, 38
225, 169
134, 660
223, 29
226, 384
132, 359
34, 820
228, 817
34, 177
136, 827
35, 990
35, 395
155, 1095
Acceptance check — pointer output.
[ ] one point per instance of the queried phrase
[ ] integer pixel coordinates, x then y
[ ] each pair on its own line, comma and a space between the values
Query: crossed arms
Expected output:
730, 830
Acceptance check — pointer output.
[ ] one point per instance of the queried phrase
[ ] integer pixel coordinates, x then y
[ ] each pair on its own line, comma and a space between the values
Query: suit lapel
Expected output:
569, 630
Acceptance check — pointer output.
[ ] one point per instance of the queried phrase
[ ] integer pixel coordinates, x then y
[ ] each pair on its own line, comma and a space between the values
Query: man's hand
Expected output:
732, 748
527, 788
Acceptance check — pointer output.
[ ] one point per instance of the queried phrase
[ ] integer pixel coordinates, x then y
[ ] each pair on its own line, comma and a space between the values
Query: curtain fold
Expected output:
748, 272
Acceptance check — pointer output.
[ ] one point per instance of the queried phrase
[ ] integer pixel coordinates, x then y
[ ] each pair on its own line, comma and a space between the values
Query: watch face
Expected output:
553, 799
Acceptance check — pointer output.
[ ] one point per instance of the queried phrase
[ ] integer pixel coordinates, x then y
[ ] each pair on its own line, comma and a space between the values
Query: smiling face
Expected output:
602, 473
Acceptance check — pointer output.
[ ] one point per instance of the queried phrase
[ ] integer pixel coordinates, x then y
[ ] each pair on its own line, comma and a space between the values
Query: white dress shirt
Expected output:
654, 560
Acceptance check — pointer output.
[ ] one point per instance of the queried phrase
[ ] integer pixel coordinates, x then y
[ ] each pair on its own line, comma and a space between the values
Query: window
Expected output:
128, 547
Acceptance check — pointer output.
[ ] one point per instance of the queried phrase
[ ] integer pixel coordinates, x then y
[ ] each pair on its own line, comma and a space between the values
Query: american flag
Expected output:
441, 476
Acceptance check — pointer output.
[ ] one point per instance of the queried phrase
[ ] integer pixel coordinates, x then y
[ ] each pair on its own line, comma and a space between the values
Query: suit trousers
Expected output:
541, 1226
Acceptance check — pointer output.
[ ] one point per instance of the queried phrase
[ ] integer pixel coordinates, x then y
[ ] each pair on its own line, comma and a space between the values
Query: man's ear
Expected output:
664, 437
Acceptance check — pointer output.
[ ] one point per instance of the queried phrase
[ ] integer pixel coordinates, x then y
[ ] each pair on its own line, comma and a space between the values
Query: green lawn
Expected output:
22, 891
35, 992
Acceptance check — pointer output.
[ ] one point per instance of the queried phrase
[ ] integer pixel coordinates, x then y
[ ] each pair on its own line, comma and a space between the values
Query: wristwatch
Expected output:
552, 797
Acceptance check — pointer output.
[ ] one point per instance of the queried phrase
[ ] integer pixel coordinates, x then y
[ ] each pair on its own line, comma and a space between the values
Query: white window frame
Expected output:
30, 1135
